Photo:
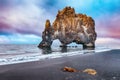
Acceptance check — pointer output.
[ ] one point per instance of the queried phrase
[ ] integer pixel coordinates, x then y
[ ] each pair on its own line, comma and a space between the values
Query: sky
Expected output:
22, 21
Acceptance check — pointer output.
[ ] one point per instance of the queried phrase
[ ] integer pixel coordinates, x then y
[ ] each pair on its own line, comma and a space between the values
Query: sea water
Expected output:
12, 54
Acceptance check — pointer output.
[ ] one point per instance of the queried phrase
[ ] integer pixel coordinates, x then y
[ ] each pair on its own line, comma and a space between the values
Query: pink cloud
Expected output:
26, 18
108, 26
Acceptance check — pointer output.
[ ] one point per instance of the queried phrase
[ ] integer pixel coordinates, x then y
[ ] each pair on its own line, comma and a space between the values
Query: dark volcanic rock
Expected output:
46, 35
70, 27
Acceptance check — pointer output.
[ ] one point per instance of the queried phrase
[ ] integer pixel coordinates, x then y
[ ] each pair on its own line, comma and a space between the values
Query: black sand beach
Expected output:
107, 65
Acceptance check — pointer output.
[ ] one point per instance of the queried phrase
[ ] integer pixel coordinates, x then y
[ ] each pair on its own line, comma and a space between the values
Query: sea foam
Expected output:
27, 53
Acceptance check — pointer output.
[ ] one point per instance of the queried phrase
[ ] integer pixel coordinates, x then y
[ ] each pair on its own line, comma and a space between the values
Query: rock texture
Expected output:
70, 27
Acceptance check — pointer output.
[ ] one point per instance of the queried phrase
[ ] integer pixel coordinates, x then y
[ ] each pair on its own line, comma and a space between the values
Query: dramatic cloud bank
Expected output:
24, 18
109, 26
19, 18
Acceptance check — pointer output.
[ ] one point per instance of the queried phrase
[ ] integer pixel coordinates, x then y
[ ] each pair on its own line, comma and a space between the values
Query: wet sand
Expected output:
107, 65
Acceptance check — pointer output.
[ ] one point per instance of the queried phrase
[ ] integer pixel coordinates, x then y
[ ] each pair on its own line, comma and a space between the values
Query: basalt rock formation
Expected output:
69, 27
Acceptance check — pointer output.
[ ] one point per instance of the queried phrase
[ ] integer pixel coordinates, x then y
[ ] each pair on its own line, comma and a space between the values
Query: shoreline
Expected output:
23, 58
105, 63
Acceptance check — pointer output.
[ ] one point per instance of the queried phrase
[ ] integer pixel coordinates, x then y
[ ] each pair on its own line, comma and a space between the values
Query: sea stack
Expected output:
69, 27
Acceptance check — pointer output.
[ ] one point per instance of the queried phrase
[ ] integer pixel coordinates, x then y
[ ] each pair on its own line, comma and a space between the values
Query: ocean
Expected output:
14, 53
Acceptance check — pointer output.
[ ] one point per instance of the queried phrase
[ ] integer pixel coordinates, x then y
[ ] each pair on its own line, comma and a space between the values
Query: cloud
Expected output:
108, 26
25, 18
